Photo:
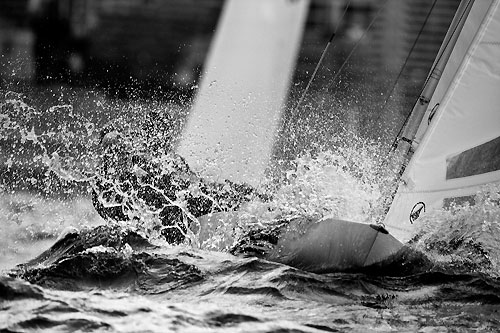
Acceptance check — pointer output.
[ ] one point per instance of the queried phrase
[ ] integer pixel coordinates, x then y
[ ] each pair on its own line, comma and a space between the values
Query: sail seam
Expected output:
451, 189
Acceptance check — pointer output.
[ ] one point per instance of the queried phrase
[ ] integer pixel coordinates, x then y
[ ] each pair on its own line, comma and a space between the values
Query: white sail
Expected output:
231, 128
459, 150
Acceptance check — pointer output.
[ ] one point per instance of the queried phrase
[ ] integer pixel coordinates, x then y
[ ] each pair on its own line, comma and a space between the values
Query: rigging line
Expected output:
379, 11
384, 105
394, 144
438, 58
303, 95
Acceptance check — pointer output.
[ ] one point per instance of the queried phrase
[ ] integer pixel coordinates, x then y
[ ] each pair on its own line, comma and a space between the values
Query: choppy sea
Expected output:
65, 269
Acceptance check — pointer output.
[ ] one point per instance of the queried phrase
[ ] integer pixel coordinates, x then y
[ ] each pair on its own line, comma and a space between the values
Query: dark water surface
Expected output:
111, 279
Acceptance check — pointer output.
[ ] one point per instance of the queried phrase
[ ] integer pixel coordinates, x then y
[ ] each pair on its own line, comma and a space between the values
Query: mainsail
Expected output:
458, 141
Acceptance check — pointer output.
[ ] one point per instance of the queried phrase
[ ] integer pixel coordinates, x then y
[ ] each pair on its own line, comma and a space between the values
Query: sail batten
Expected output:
468, 117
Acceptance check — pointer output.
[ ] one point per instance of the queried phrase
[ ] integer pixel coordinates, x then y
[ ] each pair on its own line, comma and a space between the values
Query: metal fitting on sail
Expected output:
423, 100
432, 113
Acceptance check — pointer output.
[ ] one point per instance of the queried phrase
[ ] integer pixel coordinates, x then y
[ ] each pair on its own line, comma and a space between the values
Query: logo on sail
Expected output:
416, 210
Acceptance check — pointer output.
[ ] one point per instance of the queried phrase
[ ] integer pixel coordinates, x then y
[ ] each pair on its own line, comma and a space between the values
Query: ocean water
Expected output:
64, 268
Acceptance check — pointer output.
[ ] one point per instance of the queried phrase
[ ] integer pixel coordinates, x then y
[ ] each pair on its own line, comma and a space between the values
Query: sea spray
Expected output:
341, 182
464, 234
30, 223
50, 155
347, 180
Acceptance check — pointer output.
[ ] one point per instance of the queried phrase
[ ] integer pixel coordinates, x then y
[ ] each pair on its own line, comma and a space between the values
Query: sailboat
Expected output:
450, 148
456, 127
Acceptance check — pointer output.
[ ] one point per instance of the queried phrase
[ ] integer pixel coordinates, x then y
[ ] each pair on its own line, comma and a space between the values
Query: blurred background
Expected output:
99, 55
153, 44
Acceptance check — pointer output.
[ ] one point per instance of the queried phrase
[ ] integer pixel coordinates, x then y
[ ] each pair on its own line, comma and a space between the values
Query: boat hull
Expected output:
334, 245
327, 245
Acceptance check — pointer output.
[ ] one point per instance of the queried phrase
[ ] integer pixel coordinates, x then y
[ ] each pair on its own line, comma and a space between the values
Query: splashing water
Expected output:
50, 158
122, 276
342, 184
464, 234
345, 182
65, 138
29, 223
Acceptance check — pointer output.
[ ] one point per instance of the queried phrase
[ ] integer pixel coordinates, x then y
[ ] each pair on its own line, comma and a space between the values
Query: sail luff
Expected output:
434, 76
477, 14
464, 132
458, 72
406, 142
